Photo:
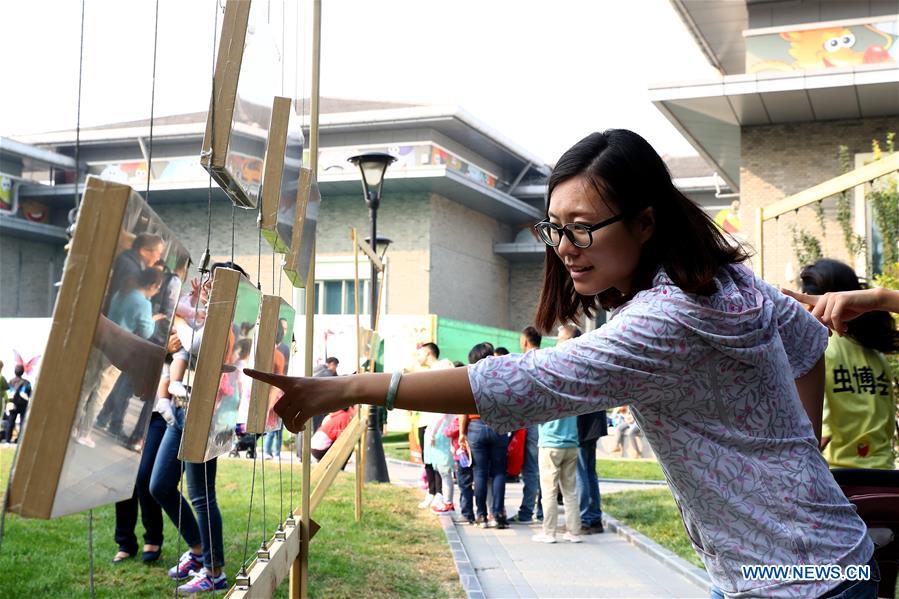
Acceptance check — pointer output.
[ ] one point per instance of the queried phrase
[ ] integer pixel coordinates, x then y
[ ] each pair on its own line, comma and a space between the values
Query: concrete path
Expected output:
506, 563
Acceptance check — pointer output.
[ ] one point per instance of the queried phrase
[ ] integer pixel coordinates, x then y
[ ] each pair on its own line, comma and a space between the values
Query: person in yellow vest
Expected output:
859, 422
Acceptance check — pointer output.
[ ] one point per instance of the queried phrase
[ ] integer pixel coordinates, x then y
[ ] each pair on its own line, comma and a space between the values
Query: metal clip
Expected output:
263, 554
280, 534
242, 580
204, 261
291, 521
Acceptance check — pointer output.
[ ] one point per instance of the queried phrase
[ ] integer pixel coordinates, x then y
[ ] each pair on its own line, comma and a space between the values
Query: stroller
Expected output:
875, 493
243, 441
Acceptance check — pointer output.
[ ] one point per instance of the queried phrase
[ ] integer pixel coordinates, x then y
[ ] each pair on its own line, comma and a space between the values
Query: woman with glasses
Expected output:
723, 373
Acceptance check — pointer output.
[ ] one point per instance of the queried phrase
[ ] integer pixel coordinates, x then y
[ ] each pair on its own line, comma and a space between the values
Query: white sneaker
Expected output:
177, 389
542, 538
269, 456
426, 502
572, 538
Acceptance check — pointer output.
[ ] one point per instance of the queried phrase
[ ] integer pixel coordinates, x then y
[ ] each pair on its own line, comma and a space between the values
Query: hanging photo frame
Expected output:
281, 176
247, 71
227, 346
92, 402
273, 349
299, 259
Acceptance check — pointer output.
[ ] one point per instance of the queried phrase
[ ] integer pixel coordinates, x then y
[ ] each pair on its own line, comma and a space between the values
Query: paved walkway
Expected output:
506, 563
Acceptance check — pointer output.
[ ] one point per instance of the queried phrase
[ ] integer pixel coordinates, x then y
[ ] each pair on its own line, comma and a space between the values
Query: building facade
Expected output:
797, 81
458, 206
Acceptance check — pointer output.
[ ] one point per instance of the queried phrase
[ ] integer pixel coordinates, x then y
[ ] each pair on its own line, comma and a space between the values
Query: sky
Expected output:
541, 73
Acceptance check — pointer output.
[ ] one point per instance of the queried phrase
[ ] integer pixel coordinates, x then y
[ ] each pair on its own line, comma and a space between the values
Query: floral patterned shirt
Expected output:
710, 380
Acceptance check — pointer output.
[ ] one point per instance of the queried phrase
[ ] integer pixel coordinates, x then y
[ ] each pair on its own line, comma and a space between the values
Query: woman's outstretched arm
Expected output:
836, 308
444, 391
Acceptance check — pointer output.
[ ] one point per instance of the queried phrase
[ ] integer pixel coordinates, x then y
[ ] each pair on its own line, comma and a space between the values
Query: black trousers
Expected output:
20, 407
150, 510
435, 483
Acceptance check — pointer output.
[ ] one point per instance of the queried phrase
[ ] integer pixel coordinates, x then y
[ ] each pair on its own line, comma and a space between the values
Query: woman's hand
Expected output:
836, 309
304, 397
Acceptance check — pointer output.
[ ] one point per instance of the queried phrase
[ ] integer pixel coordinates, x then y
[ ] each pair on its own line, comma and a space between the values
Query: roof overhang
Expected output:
25, 229
438, 179
446, 182
711, 114
520, 252
21, 150
718, 29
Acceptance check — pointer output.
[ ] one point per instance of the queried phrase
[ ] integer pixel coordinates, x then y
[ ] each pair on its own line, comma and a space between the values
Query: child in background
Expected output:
438, 453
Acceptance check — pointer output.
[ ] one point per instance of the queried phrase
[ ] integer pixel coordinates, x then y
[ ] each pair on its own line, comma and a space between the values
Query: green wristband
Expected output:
391, 390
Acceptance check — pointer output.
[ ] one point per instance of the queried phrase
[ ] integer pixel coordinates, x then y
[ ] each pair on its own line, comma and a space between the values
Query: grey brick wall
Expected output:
525, 282
467, 280
28, 270
780, 160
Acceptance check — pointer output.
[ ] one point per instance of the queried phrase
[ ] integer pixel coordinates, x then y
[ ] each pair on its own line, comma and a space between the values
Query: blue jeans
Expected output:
530, 477
859, 589
200, 477
465, 478
489, 449
150, 511
273, 441
588, 485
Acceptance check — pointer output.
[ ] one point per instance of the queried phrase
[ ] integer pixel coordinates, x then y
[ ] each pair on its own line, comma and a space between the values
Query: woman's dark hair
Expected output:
479, 352
630, 176
874, 330
231, 265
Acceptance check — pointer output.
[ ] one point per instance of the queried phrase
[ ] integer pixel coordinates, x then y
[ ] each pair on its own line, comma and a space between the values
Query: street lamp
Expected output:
373, 165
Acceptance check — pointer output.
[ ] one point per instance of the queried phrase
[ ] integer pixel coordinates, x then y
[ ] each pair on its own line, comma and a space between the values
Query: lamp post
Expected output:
373, 165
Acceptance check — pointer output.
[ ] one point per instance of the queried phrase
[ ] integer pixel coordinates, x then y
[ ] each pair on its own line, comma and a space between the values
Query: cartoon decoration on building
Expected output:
729, 218
7, 203
824, 48
36, 212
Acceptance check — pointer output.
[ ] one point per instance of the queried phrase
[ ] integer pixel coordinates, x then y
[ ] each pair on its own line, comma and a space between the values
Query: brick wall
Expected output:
526, 280
780, 160
467, 280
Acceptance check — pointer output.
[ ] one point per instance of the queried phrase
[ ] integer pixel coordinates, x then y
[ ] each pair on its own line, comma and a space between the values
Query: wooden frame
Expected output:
98, 354
215, 396
261, 417
297, 261
237, 126
280, 179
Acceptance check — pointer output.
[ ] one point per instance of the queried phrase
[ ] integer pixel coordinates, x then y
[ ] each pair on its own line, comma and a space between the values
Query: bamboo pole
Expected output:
360, 474
299, 572
760, 241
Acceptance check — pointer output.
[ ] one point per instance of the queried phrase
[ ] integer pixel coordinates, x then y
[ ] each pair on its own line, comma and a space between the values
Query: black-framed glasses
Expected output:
580, 235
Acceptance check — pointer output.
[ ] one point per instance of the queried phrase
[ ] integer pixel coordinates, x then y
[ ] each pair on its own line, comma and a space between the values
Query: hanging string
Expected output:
203, 269
90, 544
78, 116
246, 542
152, 101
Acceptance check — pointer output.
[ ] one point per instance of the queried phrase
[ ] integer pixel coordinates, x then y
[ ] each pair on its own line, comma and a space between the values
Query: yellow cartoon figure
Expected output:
826, 48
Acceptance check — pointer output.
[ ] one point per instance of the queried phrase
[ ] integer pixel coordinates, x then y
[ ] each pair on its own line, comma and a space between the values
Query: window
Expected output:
337, 297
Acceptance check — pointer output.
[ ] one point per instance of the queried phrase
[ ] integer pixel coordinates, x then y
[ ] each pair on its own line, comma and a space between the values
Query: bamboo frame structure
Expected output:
816, 193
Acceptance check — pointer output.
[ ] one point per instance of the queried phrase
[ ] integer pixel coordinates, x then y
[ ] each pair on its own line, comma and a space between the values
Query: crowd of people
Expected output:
556, 458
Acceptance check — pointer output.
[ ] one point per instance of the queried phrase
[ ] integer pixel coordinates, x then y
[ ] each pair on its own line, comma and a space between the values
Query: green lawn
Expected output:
396, 445
397, 550
629, 469
654, 514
